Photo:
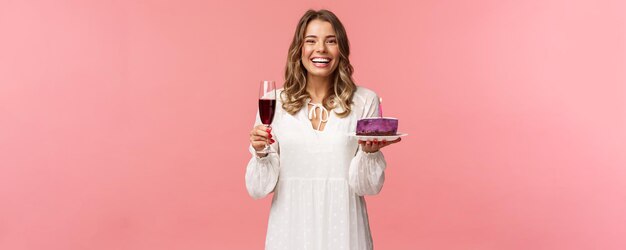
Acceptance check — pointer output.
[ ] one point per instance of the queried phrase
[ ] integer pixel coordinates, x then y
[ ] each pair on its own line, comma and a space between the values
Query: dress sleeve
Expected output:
262, 172
366, 174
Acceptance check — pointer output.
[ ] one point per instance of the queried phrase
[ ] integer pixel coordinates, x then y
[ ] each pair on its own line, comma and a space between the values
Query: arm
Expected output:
366, 174
262, 171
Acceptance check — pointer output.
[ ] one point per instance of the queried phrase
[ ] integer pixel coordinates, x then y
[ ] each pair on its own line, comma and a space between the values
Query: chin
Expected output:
322, 73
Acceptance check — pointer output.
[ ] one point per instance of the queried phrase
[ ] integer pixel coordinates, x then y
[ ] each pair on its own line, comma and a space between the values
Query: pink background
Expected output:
123, 124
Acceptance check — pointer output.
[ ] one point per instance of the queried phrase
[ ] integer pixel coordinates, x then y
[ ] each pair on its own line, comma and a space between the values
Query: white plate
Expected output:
377, 137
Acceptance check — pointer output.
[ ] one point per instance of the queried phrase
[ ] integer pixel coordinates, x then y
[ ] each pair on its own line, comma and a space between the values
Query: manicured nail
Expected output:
272, 141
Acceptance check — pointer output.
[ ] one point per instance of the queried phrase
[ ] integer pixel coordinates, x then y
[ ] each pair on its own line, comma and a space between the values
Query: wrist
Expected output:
371, 152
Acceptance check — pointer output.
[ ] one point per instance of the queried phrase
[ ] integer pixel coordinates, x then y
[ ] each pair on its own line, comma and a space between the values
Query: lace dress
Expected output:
318, 178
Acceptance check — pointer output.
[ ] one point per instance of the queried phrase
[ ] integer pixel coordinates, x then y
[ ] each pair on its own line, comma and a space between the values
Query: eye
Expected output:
309, 41
333, 41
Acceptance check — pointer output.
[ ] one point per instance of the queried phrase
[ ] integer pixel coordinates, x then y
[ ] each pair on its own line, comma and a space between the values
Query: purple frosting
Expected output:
377, 126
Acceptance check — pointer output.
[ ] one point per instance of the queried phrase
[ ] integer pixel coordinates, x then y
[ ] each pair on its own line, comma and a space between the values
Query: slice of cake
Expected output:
377, 126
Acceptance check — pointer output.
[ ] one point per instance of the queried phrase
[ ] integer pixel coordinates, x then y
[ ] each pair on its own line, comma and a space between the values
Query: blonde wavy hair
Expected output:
294, 93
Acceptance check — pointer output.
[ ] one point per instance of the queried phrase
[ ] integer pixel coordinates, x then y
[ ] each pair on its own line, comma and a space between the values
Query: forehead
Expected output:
319, 28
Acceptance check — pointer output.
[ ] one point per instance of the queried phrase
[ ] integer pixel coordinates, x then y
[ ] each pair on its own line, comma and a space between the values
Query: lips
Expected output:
321, 61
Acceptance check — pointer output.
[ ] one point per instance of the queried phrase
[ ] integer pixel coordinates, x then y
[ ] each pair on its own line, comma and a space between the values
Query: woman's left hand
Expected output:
375, 145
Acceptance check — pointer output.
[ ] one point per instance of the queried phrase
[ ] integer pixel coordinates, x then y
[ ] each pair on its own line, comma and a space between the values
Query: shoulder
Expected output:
364, 95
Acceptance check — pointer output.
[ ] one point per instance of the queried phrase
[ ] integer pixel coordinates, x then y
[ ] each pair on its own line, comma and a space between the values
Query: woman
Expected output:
319, 174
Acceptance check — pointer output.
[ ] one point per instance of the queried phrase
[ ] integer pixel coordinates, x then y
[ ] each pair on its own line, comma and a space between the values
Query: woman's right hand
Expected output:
260, 136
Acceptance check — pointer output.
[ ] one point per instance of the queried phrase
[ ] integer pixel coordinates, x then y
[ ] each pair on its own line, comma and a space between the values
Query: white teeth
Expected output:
320, 60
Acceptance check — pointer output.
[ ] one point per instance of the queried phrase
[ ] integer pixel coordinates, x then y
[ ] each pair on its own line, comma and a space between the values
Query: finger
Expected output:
263, 127
258, 138
386, 143
267, 129
261, 132
258, 145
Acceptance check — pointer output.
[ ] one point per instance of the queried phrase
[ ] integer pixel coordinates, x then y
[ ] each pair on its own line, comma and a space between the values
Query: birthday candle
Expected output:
380, 107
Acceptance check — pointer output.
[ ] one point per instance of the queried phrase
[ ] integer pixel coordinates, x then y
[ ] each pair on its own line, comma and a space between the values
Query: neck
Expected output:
317, 87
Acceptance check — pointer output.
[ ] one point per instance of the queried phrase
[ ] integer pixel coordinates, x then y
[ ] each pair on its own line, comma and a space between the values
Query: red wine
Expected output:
266, 110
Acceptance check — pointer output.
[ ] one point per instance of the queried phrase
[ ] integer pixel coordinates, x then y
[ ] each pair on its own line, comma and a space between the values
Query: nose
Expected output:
321, 47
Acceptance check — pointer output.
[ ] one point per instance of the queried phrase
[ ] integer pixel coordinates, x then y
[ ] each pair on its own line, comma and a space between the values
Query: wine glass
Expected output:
267, 107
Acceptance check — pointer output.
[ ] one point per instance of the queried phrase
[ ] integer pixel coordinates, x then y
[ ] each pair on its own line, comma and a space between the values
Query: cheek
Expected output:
335, 52
306, 52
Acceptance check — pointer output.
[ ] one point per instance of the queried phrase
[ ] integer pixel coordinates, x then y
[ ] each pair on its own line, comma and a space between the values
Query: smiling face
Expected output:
320, 50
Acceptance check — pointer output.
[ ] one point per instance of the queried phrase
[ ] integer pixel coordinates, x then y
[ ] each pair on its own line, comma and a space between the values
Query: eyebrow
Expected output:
314, 36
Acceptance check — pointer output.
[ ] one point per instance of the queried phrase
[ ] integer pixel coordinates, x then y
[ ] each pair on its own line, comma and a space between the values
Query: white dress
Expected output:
319, 179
